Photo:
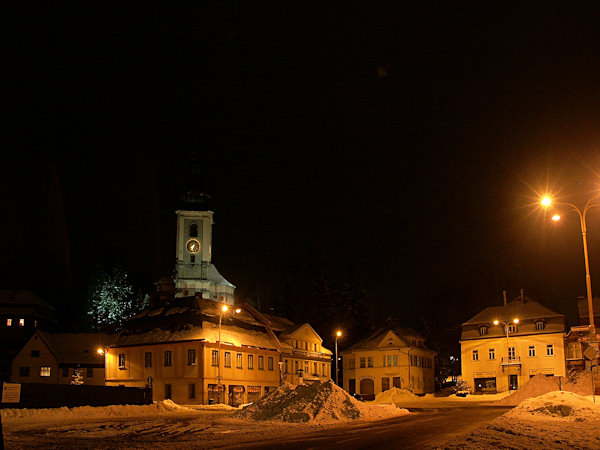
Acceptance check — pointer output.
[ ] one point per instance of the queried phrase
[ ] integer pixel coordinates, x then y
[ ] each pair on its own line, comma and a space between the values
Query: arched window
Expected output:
194, 230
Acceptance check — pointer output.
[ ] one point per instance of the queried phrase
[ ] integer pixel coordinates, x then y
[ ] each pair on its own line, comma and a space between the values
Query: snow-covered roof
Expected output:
373, 341
76, 347
194, 318
526, 310
217, 278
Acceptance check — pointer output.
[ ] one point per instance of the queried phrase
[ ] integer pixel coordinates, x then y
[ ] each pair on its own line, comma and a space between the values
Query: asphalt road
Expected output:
422, 429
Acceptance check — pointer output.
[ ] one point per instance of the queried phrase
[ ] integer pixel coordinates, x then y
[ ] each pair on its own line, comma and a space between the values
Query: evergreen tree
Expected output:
77, 378
111, 298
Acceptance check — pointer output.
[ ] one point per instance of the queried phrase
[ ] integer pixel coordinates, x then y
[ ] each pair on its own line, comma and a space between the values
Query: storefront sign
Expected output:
542, 371
484, 374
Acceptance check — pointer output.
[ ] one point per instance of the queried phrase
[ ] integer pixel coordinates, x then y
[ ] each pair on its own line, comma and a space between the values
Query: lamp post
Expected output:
337, 335
224, 309
546, 201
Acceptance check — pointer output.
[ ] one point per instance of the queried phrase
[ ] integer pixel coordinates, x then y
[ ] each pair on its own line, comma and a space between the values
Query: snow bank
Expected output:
164, 406
559, 404
394, 395
318, 402
541, 384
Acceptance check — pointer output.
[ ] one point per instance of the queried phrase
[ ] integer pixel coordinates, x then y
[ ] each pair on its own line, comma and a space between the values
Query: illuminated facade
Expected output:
492, 362
386, 359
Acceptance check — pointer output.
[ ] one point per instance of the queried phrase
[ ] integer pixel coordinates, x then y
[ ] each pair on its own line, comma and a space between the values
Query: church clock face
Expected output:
193, 246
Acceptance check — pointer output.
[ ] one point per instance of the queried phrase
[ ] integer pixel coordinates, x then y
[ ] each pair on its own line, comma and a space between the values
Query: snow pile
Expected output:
318, 402
541, 384
394, 395
164, 406
559, 404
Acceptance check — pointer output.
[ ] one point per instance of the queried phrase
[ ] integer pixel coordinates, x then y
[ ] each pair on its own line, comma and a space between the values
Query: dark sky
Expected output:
405, 139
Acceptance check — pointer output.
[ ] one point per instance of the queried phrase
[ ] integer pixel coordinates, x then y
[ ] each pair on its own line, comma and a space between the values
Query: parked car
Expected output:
357, 397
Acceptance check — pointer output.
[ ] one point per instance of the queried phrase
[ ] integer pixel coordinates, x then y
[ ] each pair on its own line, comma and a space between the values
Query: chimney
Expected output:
522, 297
504, 295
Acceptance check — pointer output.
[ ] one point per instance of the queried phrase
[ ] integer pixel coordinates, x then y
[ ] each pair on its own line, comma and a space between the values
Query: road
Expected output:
425, 428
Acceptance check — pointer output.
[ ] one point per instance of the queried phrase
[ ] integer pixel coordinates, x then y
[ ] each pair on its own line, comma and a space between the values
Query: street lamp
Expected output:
547, 201
224, 309
506, 324
337, 335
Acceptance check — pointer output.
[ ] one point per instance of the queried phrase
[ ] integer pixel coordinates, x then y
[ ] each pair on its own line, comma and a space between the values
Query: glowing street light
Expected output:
224, 309
100, 351
546, 201
506, 327
337, 335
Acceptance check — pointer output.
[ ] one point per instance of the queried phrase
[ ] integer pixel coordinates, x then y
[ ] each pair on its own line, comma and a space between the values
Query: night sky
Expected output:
407, 140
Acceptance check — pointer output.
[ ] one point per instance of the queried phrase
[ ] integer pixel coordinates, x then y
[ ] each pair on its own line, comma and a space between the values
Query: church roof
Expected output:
217, 278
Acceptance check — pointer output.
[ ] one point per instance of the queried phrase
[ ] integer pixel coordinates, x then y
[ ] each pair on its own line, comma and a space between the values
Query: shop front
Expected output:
236, 395
216, 394
253, 393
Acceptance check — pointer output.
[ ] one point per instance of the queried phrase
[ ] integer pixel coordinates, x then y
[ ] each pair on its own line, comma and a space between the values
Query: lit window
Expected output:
475, 355
227, 359
549, 350
532, 350
9, 322
45, 371
512, 354
395, 360
21, 322
389, 360
492, 353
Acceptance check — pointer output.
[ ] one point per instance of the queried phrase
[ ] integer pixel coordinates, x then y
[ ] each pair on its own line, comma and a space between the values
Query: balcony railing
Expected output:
309, 354
511, 360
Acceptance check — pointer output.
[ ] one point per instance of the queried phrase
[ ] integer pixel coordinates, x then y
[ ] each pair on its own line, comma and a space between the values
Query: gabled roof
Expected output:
296, 328
22, 298
527, 310
375, 340
75, 347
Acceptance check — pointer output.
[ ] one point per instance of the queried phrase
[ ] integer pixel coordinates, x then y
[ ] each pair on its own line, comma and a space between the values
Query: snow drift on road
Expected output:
164, 406
541, 384
318, 402
559, 404
394, 395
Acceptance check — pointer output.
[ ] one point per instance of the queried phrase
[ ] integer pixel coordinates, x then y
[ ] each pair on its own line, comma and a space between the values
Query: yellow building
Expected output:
388, 358
503, 346
192, 352
54, 358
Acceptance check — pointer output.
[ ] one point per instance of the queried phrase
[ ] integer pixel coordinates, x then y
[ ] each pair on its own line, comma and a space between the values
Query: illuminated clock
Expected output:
193, 246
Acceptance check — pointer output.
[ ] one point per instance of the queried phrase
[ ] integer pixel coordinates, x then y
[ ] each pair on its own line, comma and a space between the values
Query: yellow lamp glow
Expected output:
100, 351
546, 201
339, 333
555, 217
516, 320
224, 308
496, 322
239, 310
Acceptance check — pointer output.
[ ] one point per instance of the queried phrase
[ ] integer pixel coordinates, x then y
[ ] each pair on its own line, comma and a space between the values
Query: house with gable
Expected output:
389, 357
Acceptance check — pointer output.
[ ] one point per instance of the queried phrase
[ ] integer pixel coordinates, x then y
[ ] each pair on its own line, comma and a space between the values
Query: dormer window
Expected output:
539, 325
483, 330
21, 322
8, 322
513, 328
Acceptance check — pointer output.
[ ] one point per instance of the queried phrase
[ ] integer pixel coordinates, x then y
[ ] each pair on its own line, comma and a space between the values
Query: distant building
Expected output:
389, 357
584, 313
194, 271
180, 349
53, 358
501, 356
21, 313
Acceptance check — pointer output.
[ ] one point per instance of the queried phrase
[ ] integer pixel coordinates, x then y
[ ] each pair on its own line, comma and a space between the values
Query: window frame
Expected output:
250, 362
167, 358
122, 361
191, 354
214, 358
147, 359
475, 355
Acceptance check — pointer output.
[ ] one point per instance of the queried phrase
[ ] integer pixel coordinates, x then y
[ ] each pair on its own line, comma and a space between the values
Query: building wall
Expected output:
485, 367
306, 354
25, 359
180, 375
415, 374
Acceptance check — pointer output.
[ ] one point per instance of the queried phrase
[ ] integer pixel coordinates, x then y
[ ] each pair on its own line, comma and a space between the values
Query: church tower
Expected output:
194, 271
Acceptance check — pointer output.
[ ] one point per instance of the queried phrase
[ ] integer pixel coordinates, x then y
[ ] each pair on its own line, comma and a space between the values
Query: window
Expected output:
193, 231
492, 353
238, 360
167, 391
395, 360
191, 390
532, 350
286, 366
270, 364
35, 353
385, 383
251, 362
315, 347
227, 362
397, 382
167, 358
352, 363
296, 344
21, 322
193, 258
45, 371
512, 354
214, 358
148, 359
513, 328
323, 369
121, 360
306, 346
483, 331
314, 368
9, 322
191, 357
370, 361
23, 371
539, 325
65, 372
296, 367
475, 355
550, 350
389, 360
90, 372
384, 360
261, 362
